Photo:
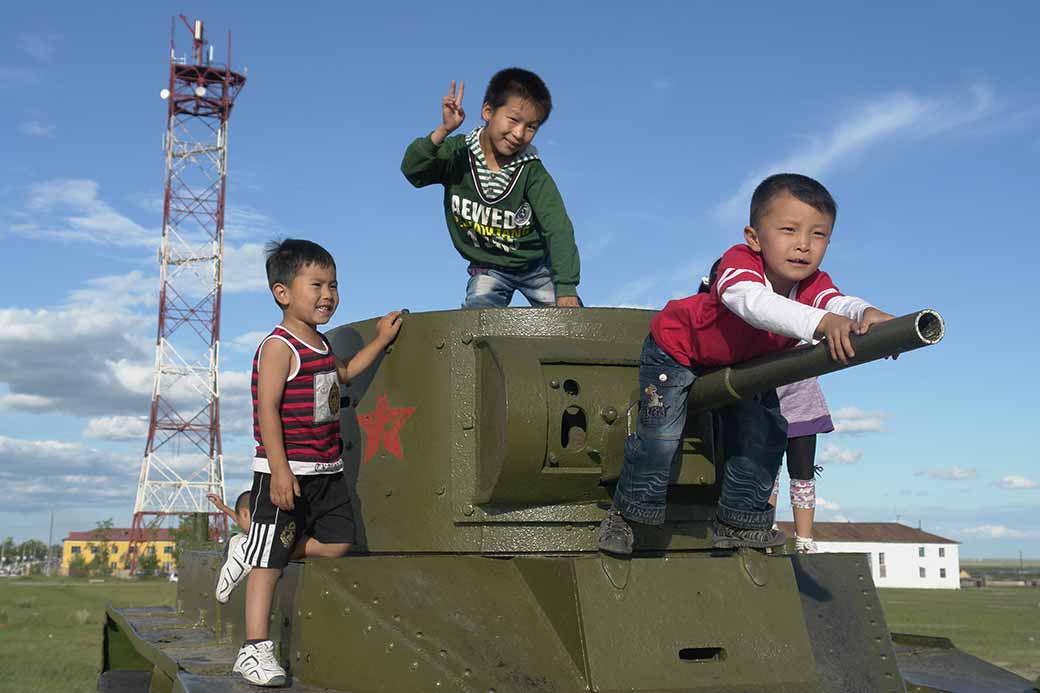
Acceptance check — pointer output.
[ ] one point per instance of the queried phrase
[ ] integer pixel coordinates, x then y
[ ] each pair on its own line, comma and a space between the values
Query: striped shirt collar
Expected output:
529, 153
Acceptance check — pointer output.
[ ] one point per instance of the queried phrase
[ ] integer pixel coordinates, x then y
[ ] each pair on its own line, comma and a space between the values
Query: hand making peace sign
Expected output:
452, 114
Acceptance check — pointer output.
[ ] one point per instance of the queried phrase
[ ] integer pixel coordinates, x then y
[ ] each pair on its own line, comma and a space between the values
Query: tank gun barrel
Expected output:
743, 380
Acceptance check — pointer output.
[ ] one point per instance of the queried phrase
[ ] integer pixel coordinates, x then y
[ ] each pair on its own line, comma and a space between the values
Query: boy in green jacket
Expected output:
504, 212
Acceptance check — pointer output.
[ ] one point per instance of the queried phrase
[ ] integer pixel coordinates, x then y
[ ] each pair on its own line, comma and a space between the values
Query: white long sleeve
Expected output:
761, 307
849, 306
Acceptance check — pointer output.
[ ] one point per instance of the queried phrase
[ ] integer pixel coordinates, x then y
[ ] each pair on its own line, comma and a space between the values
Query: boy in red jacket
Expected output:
769, 295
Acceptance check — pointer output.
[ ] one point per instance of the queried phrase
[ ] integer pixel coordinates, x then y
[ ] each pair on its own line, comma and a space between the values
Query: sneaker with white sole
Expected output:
234, 570
804, 545
258, 666
615, 535
728, 537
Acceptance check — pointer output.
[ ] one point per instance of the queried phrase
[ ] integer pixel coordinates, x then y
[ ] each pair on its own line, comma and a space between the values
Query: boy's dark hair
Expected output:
244, 500
286, 258
516, 81
713, 274
801, 188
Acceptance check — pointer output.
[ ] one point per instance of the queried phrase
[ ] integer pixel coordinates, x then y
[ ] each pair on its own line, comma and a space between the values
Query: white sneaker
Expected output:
258, 666
234, 570
804, 545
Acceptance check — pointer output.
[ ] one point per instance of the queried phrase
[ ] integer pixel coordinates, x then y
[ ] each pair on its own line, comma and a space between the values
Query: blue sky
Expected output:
923, 120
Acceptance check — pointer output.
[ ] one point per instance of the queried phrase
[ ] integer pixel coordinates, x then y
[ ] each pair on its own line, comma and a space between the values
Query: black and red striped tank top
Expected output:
309, 409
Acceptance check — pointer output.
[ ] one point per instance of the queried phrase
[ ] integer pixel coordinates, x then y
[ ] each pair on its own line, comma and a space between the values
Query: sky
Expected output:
922, 119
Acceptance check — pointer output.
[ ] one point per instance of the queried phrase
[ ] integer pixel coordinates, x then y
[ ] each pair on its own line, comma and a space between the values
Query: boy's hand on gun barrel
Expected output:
836, 329
873, 316
452, 113
284, 489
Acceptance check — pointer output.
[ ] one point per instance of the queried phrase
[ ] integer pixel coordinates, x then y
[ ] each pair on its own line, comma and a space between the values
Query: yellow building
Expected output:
159, 542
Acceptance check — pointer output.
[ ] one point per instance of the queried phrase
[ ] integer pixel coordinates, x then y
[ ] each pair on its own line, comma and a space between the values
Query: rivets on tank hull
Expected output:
468, 510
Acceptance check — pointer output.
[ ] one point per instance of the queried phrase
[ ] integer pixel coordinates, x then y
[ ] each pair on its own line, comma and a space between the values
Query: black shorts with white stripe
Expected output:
323, 511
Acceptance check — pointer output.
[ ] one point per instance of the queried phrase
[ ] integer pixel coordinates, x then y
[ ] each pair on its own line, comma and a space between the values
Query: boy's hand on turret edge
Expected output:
388, 326
452, 113
568, 302
836, 329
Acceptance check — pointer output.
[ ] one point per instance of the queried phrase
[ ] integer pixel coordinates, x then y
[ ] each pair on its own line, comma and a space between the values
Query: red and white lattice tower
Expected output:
183, 456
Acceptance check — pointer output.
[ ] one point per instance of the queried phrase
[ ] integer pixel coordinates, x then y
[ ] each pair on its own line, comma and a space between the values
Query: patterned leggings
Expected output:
801, 454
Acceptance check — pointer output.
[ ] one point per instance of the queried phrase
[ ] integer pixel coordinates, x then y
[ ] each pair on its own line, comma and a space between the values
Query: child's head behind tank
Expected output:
516, 104
242, 512
792, 218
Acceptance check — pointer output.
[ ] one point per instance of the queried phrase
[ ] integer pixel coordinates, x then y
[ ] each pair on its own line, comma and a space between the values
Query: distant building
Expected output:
899, 556
160, 543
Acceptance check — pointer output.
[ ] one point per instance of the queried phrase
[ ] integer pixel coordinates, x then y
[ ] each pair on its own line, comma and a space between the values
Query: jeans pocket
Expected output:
662, 400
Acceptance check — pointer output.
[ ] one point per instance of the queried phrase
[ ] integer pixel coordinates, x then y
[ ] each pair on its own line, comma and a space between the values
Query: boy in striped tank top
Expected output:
300, 502
504, 212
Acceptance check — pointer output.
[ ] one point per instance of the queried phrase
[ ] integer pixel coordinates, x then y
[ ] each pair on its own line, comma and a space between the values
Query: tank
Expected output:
483, 448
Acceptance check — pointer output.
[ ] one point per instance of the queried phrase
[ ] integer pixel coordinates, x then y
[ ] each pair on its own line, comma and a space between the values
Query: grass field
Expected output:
50, 629
998, 624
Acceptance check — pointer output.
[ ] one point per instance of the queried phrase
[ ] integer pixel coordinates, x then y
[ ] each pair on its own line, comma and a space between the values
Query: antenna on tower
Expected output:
183, 458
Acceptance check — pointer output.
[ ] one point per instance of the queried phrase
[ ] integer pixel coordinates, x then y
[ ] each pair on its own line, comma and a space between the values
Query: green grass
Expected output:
998, 624
50, 629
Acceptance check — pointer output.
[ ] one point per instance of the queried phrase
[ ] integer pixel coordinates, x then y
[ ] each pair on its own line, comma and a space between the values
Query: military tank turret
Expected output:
483, 448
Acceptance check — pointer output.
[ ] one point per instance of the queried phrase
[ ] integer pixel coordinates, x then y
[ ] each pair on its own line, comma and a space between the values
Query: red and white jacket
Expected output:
742, 317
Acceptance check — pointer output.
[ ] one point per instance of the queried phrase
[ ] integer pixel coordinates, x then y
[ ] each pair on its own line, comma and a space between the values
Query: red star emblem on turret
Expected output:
382, 427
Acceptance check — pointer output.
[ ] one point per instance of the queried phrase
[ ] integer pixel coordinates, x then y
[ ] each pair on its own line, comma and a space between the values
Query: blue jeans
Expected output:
755, 437
493, 288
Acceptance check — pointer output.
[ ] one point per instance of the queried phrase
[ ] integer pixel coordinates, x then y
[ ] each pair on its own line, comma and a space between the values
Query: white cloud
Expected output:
236, 403
1015, 482
854, 420
51, 473
247, 342
248, 222
40, 47
872, 122
36, 128
950, 474
1001, 532
130, 290
17, 75
244, 268
26, 402
71, 209
825, 504
119, 428
833, 454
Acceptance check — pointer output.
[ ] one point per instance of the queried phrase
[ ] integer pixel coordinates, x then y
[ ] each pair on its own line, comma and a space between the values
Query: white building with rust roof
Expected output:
899, 556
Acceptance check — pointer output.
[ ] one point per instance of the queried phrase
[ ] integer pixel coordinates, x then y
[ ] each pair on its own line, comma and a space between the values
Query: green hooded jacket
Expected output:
521, 228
